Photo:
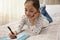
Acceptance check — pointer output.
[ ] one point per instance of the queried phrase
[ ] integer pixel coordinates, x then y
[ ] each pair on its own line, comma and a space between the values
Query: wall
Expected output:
51, 1
11, 10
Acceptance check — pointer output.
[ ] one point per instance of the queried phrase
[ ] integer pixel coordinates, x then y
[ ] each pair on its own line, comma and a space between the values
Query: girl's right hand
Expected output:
12, 36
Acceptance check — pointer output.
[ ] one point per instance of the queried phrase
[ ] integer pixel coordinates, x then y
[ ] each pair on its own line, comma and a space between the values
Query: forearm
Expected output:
35, 29
18, 30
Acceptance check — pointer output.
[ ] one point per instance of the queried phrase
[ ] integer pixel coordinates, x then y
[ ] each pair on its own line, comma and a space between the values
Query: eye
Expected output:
31, 10
25, 9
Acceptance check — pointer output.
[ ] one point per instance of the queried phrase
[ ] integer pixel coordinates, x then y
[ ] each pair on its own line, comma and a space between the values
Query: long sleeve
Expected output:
35, 29
44, 22
21, 24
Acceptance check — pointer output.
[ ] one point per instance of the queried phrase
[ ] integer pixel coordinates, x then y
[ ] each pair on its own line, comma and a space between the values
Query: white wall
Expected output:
11, 10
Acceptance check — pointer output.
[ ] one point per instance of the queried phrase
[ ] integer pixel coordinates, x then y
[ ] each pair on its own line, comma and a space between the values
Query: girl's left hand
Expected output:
33, 18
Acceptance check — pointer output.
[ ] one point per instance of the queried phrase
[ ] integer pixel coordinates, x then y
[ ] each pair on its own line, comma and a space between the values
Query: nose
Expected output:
27, 13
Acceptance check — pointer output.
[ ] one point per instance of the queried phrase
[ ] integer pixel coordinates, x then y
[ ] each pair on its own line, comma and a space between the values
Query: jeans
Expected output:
45, 13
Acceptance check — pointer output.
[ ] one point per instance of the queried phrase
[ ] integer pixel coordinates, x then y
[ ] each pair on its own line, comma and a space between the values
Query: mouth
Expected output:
32, 16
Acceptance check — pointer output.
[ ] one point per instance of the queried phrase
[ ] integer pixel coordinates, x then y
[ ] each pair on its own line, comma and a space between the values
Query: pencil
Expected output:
10, 30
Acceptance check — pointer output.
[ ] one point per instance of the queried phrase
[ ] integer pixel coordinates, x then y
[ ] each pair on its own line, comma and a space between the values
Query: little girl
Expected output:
32, 18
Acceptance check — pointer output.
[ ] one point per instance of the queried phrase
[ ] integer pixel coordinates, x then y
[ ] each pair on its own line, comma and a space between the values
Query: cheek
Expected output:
27, 14
33, 13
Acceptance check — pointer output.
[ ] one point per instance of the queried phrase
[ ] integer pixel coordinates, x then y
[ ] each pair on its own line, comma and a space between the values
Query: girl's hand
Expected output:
12, 36
33, 18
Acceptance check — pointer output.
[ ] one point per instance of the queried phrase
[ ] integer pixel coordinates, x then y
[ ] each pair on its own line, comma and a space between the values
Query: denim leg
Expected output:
45, 13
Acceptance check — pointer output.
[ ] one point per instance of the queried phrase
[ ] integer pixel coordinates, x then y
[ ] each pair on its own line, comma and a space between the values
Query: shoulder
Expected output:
44, 21
23, 17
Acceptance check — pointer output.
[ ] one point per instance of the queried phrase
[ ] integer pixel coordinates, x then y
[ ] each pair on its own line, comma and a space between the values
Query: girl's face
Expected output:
30, 10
